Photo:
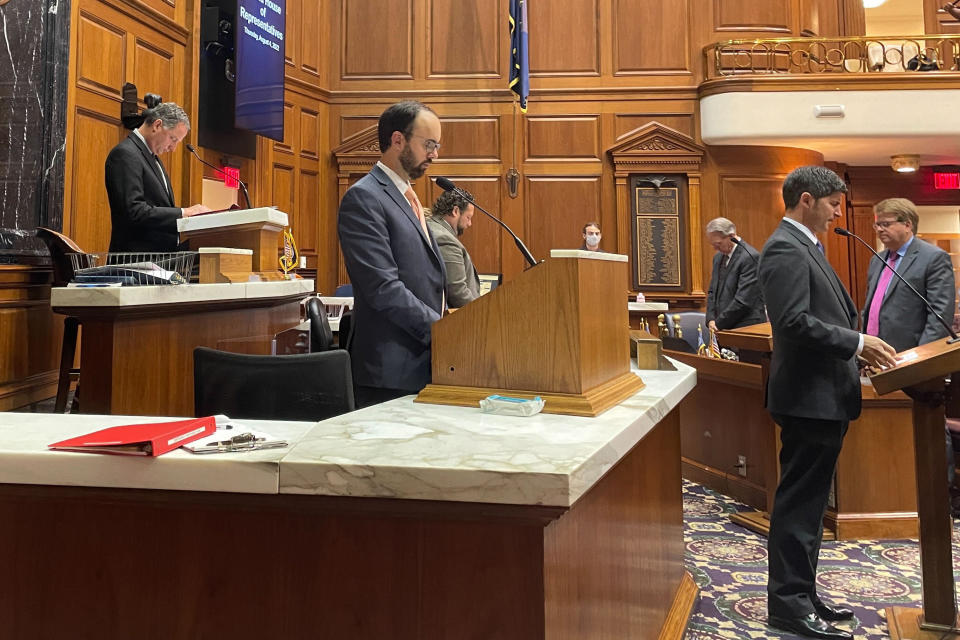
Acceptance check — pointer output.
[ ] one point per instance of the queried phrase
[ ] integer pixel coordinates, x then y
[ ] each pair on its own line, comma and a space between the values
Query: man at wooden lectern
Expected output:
393, 261
734, 298
813, 393
143, 214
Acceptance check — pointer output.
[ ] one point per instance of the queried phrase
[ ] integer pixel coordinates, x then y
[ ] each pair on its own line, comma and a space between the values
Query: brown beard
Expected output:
410, 166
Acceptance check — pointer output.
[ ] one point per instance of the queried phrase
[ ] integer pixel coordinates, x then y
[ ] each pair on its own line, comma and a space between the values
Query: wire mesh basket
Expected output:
132, 269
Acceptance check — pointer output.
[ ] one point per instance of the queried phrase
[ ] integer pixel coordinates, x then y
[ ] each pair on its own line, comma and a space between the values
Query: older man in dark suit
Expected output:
451, 215
734, 298
393, 261
143, 213
813, 393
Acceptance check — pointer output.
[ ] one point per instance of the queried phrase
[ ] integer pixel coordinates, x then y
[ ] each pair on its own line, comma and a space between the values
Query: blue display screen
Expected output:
260, 52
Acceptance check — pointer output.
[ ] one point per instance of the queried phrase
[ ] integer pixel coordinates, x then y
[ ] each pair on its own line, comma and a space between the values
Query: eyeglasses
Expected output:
884, 224
429, 144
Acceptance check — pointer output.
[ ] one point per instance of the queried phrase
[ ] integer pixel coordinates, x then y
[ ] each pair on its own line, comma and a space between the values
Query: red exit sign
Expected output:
943, 180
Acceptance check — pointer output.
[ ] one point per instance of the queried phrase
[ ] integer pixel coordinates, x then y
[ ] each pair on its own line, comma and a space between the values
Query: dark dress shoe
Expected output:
832, 614
811, 626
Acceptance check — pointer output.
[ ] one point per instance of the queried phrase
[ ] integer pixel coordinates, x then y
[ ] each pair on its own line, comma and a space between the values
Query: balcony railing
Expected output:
833, 55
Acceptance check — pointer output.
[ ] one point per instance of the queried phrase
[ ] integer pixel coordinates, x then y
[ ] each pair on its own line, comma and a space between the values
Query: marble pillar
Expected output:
34, 58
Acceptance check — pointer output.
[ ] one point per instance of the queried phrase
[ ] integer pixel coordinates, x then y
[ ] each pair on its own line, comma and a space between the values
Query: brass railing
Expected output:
833, 55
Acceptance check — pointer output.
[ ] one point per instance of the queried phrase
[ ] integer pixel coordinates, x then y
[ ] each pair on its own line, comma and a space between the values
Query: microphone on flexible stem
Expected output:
840, 231
447, 185
737, 241
243, 186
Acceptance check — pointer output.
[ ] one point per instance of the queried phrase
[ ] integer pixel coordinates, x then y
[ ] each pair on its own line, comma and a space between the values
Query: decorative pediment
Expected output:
655, 147
358, 153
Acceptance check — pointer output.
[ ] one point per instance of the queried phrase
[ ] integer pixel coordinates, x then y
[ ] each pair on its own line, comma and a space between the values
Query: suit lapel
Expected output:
401, 201
821, 261
154, 165
903, 266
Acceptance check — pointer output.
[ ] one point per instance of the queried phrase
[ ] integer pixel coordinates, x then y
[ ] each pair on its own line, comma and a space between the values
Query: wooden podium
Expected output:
920, 373
256, 229
559, 331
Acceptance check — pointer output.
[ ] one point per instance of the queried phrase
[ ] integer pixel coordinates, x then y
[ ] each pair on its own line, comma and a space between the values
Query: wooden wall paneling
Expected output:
936, 20
101, 55
465, 39
769, 16
284, 183
626, 123
473, 139
562, 138
89, 223
853, 19
377, 40
308, 41
557, 207
30, 336
661, 46
565, 42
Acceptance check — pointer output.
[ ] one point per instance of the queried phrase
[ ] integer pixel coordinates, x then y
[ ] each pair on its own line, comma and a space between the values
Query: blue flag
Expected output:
519, 52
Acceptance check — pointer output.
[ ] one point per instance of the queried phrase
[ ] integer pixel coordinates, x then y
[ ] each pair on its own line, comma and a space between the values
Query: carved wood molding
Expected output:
655, 146
358, 153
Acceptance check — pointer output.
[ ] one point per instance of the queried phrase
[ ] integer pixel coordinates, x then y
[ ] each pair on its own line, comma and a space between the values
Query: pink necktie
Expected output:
417, 209
873, 316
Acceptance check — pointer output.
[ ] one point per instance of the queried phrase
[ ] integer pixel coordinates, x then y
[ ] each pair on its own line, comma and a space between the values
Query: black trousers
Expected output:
808, 459
369, 396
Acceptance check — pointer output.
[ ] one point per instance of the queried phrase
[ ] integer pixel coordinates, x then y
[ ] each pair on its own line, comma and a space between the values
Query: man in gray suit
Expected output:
892, 311
734, 298
813, 392
393, 262
452, 214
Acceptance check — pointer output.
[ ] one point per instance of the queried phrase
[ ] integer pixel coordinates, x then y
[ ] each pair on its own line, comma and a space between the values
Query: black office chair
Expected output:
346, 330
321, 335
308, 386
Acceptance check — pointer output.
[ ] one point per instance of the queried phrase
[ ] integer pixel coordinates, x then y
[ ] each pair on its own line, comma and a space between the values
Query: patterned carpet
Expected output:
729, 563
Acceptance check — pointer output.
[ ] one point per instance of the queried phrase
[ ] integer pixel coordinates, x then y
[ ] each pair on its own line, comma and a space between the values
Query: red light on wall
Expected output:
946, 180
231, 177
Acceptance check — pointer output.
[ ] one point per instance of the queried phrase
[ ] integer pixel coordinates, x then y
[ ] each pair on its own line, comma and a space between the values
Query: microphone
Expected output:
447, 185
840, 231
737, 241
243, 185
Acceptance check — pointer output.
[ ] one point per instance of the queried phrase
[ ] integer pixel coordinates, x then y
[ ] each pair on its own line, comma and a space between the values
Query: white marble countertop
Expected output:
232, 218
399, 449
175, 293
25, 459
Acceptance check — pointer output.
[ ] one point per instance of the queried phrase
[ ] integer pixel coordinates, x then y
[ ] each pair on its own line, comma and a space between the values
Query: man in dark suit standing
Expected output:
813, 392
143, 213
393, 261
451, 215
734, 298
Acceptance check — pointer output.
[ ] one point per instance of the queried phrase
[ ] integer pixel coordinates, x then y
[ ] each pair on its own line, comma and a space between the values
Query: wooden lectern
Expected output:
559, 331
920, 373
256, 229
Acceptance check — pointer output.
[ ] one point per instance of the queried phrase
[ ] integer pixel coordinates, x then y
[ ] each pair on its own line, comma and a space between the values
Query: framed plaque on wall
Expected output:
658, 206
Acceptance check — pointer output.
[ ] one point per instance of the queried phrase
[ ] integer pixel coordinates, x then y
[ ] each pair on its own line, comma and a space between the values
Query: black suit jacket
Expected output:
142, 210
905, 321
734, 299
398, 279
813, 373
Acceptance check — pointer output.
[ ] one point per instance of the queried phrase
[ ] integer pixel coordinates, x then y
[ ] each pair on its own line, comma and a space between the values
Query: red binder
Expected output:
152, 439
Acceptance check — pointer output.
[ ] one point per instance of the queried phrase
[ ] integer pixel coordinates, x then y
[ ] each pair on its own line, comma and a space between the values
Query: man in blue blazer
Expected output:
813, 393
733, 299
143, 214
393, 261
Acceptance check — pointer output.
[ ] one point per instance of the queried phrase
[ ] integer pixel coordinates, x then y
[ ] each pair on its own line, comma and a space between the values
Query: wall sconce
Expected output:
905, 163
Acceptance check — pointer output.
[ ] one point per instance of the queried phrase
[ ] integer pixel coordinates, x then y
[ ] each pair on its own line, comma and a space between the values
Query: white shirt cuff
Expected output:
860, 346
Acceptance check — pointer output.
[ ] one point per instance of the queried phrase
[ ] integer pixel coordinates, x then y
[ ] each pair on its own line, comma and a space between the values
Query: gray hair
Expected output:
722, 225
170, 114
819, 182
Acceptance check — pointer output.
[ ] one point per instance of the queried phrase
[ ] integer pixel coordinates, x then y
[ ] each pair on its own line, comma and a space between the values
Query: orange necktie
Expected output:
417, 209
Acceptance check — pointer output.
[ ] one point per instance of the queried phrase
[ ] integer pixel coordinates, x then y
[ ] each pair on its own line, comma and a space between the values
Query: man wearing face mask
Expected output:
734, 299
591, 237
143, 213
452, 215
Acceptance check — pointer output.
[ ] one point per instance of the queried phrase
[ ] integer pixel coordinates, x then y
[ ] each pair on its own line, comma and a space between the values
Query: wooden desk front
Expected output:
724, 418
137, 359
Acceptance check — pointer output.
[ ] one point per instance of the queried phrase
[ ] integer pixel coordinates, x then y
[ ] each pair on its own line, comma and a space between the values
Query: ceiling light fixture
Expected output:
872, 4
905, 163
